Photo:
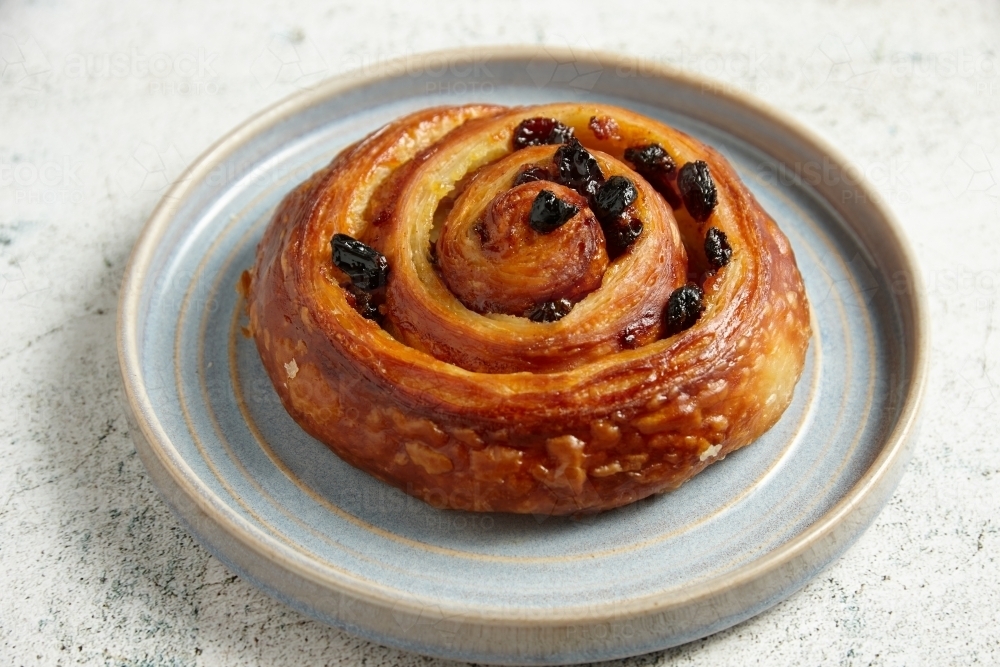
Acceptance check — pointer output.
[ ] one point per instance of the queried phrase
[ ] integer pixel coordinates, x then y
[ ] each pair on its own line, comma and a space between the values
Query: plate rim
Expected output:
817, 544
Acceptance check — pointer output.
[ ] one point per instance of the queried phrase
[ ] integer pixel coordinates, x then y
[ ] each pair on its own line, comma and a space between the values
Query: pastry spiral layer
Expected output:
548, 309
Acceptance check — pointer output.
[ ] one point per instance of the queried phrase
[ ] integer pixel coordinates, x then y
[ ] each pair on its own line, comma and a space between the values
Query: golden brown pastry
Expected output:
548, 309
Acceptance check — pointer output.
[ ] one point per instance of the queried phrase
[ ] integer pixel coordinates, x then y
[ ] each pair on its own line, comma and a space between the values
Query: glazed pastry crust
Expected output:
487, 411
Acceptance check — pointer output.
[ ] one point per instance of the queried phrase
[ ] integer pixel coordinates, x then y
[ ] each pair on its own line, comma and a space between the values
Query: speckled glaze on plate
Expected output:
283, 511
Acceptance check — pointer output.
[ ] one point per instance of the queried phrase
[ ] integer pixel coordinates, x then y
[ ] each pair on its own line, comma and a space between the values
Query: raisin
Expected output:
578, 169
684, 307
548, 212
717, 248
697, 189
550, 311
367, 267
361, 301
540, 131
652, 157
655, 165
532, 173
610, 204
604, 127
560, 134
621, 234
612, 198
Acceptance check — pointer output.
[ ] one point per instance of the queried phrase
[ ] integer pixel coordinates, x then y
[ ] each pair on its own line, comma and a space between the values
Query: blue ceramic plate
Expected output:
283, 511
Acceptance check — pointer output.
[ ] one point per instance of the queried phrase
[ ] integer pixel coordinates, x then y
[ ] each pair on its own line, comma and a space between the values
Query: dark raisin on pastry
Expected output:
367, 267
612, 198
532, 173
549, 213
717, 248
540, 131
363, 302
655, 165
697, 189
621, 234
684, 308
550, 311
578, 169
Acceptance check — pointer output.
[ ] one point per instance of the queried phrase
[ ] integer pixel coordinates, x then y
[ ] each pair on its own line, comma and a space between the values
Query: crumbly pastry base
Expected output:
572, 421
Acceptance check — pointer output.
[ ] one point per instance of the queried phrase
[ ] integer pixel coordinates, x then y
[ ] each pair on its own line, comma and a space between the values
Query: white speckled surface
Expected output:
100, 108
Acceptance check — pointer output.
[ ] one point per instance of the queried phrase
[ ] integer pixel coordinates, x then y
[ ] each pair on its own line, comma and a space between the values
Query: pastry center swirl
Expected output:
544, 258
500, 263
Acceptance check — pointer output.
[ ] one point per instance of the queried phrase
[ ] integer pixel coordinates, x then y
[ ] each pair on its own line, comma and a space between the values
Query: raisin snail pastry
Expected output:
550, 310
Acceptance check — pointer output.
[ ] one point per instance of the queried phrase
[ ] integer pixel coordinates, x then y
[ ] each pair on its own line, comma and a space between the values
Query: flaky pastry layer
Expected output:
468, 407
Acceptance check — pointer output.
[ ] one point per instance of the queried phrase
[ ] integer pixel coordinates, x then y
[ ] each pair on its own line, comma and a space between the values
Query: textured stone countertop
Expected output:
103, 103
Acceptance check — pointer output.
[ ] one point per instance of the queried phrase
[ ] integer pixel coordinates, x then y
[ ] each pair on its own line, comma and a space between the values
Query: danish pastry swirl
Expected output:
525, 354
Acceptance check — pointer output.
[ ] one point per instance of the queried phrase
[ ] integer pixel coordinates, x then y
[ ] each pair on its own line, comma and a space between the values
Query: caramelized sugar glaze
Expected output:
529, 352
